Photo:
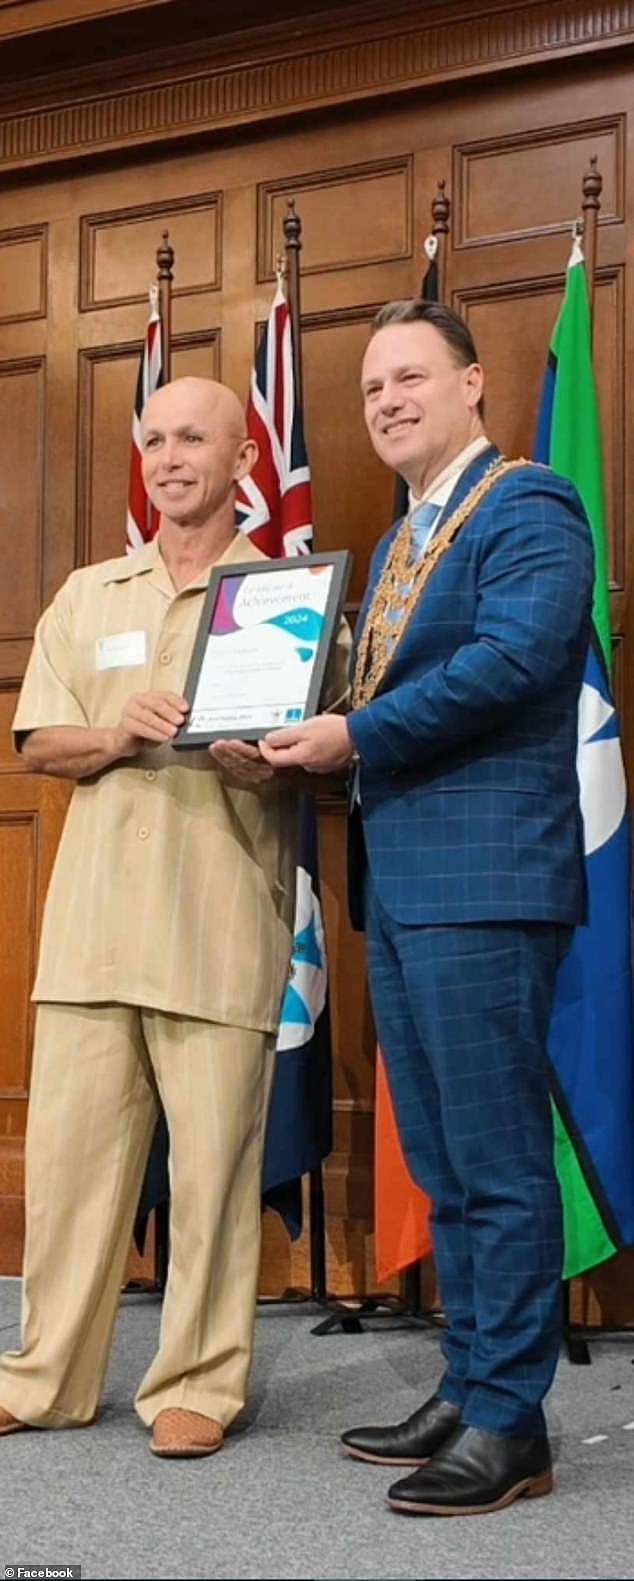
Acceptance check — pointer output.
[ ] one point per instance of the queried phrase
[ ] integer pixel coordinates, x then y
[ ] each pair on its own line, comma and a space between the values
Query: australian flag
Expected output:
274, 507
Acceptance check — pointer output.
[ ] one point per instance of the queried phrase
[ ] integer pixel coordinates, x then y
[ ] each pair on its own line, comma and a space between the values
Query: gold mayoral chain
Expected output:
402, 582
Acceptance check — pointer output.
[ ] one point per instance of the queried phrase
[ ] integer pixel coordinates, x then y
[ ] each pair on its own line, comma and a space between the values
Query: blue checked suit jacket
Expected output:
468, 783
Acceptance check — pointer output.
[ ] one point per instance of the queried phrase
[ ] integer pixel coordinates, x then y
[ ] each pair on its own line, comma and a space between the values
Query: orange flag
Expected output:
401, 1209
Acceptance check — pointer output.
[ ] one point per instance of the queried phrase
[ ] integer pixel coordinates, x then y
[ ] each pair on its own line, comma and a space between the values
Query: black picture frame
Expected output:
341, 561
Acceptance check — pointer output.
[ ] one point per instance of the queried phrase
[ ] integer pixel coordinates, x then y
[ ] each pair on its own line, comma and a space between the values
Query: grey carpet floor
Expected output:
280, 1501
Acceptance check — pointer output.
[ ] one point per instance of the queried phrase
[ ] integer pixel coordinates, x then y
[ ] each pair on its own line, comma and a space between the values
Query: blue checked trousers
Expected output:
462, 1015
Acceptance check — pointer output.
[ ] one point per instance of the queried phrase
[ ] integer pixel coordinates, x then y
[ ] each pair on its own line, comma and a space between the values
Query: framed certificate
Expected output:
262, 646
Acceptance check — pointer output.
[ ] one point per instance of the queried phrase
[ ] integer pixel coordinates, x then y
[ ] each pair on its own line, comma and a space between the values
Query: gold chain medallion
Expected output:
401, 584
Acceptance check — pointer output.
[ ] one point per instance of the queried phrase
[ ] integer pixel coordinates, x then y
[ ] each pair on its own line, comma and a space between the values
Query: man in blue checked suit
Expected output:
470, 648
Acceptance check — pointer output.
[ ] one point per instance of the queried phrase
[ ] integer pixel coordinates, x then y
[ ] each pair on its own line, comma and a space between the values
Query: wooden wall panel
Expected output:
23, 274
18, 856
350, 217
197, 355
31, 818
508, 188
9, 763
352, 491
107, 383
117, 249
21, 523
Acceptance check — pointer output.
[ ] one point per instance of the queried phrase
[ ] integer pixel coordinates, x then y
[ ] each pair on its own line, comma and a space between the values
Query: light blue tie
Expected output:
423, 521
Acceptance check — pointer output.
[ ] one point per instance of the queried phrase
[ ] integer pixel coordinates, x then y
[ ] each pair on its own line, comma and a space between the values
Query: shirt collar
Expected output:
149, 558
439, 491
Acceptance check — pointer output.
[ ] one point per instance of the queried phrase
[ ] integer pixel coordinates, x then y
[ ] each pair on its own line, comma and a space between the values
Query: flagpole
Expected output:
592, 186
165, 277
292, 228
440, 211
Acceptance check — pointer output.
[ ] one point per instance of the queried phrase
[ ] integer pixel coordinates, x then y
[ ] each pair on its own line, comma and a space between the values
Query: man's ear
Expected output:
246, 459
473, 384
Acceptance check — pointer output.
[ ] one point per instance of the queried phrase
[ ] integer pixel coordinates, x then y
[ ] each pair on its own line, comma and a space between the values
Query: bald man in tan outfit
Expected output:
164, 955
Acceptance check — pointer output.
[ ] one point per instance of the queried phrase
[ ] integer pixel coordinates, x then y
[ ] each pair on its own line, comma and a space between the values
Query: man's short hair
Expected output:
455, 333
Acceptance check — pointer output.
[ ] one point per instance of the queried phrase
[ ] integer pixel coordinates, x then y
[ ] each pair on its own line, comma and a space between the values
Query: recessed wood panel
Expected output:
529, 184
512, 326
23, 265
107, 383
118, 249
9, 761
352, 490
197, 355
18, 845
21, 492
350, 217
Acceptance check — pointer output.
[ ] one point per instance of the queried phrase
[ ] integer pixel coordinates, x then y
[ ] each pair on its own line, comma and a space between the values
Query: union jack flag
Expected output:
274, 504
143, 518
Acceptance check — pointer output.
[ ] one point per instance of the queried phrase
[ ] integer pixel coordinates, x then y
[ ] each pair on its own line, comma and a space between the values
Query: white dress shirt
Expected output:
440, 490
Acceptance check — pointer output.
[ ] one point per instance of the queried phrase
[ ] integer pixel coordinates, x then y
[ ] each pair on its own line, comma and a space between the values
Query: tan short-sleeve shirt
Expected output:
170, 888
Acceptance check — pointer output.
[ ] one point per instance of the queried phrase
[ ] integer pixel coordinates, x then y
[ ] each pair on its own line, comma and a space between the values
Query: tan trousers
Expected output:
92, 1112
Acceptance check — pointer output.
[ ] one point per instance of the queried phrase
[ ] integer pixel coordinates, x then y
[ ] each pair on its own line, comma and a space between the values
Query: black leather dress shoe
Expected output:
410, 1443
476, 1472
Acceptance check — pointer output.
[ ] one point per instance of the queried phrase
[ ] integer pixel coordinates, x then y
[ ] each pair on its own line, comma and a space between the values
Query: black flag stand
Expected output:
350, 1314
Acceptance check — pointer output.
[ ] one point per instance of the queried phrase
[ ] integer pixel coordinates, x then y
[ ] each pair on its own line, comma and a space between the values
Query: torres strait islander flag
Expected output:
591, 1043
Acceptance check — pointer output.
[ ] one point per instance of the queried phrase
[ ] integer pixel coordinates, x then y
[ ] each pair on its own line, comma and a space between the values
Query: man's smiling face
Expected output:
420, 404
194, 449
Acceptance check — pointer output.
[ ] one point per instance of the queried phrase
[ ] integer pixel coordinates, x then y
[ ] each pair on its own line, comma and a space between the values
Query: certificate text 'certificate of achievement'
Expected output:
262, 646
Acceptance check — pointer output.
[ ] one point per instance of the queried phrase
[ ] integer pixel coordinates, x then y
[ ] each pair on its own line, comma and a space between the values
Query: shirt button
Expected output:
150, 774
143, 832
165, 657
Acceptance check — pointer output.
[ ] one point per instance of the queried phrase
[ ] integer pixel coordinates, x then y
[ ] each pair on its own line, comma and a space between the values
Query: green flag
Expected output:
575, 434
591, 1045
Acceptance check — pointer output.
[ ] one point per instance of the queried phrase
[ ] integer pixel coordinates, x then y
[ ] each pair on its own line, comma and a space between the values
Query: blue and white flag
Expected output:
299, 1132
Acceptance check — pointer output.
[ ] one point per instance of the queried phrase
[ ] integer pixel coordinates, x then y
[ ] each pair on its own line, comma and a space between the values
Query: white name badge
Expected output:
122, 649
